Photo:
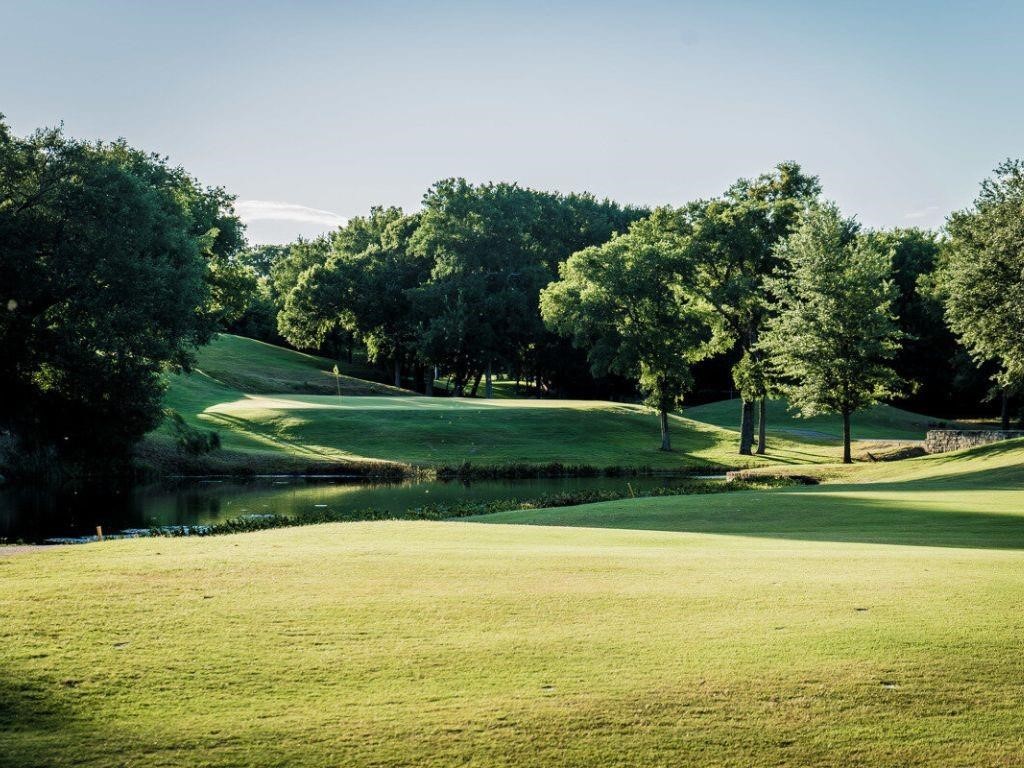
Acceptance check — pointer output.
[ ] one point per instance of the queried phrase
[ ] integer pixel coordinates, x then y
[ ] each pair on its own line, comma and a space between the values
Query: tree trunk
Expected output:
746, 427
846, 438
762, 418
1004, 413
666, 442
419, 379
476, 383
431, 374
488, 387
398, 372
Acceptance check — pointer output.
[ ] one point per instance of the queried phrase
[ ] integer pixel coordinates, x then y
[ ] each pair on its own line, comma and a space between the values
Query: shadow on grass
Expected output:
33, 711
904, 514
487, 435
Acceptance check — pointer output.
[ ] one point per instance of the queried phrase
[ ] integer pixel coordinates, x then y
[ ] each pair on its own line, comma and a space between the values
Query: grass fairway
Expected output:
882, 422
965, 499
277, 405
279, 409
867, 625
432, 431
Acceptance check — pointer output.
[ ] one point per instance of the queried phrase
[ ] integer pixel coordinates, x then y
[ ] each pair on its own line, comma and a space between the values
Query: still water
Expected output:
34, 515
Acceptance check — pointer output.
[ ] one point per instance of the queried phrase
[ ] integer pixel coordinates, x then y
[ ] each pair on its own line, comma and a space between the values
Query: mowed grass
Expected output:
269, 402
433, 431
274, 404
966, 499
813, 627
253, 366
881, 422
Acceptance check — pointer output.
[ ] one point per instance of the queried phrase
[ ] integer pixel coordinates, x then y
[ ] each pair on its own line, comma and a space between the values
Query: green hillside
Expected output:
882, 422
435, 431
253, 366
850, 624
271, 404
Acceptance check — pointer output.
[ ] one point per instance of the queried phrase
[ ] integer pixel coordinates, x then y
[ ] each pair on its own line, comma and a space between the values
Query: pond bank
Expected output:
212, 506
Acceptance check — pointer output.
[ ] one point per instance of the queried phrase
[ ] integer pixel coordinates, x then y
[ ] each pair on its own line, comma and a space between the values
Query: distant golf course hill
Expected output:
258, 368
279, 410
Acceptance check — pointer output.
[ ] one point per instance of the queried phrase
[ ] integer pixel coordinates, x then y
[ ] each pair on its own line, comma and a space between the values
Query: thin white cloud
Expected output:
268, 210
923, 213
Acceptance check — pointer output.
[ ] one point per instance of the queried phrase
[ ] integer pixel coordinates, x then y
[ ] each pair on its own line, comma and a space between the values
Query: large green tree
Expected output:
364, 287
112, 266
567, 224
630, 304
831, 344
982, 276
487, 270
734, 238
492, 248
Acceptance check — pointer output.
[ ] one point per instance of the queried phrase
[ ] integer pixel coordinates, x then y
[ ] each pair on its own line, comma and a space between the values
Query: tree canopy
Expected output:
362, 283
831, 344
981, 276
734, 238
630, 303
113, 264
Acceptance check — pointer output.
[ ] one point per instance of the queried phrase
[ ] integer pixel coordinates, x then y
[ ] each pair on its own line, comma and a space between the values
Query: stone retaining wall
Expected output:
944, 440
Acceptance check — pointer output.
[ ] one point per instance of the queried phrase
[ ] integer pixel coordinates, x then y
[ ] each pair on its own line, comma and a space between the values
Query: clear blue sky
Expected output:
900, 107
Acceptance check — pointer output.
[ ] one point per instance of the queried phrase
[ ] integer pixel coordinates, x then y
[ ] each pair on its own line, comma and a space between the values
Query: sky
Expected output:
311, 112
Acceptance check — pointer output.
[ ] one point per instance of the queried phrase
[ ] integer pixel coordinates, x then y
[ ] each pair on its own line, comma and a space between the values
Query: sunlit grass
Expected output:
442, 430
837, 625
268, 401
452, 431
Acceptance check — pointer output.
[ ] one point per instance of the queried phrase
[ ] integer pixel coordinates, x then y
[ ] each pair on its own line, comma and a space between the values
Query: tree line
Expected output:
115, 266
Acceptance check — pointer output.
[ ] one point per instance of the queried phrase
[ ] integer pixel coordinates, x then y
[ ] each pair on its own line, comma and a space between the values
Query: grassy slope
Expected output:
246, 447
247, 391
276, 408
450, 431
834, 626
248, 365
883, 422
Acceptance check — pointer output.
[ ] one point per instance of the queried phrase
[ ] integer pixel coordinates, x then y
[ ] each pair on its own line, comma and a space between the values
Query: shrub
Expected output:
191, 441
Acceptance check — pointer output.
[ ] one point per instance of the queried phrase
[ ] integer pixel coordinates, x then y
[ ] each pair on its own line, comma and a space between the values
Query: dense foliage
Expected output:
832, 340
631, 303
456, 286
477, 259
982, 276
113, 264
733, 239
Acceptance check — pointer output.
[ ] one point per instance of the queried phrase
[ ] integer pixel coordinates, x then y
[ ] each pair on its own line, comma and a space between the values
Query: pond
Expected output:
35, 515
